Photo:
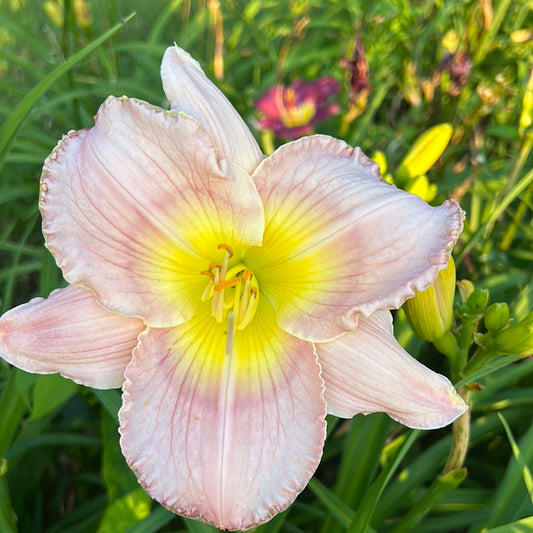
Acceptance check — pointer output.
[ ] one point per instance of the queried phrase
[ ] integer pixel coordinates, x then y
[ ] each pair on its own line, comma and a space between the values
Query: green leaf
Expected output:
526, 472
125, 512
439, 487
51, 391
505, 504
14, 121
521, 526
12, 409
158, 518
336, 507
110, 400
118, 477
364, 514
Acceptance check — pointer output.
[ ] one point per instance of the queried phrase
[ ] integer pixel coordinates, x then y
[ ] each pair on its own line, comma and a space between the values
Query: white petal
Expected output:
135, 207
367, 371
69, 333
230, 439
339, 241
188, 89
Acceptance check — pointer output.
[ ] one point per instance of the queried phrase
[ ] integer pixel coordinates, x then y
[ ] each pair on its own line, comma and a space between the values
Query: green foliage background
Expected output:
62, 469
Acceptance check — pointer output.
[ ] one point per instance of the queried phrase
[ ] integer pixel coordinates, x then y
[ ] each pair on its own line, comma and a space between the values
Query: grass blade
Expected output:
14, 121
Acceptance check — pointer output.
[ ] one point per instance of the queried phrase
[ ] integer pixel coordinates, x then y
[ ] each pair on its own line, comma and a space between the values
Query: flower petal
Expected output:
338, 240
367, 371
69, 333
188, 89
230, 439
135, 207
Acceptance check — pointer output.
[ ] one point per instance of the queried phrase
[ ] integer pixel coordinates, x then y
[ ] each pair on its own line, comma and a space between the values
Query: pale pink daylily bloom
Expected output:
236, 299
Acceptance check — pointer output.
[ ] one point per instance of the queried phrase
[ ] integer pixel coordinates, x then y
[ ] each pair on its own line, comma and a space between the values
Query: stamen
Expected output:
208, 291
245, 320
245, 296
209, 274
230, 334
226, 284
226, 247
217, 305
238, 305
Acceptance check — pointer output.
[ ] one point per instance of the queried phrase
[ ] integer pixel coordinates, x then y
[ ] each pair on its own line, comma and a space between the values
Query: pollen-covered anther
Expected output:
226, 247
226, 284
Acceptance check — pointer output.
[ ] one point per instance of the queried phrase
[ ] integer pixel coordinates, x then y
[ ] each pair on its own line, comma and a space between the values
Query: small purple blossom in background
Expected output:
291, 112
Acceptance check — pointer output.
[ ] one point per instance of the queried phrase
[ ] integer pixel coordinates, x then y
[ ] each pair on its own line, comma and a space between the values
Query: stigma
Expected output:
233, 290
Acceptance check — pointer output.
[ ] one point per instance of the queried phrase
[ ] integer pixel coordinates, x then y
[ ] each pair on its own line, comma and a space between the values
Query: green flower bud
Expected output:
516, 339
478, 300
496, 316
430, 312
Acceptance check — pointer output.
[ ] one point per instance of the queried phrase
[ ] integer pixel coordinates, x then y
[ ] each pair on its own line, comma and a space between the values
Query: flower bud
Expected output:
496, 316
466, 288
424, 153
430, 312
516, 339
421, 187
478, 300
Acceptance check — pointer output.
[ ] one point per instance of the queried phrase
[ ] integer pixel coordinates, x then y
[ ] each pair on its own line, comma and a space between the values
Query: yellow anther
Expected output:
226, 247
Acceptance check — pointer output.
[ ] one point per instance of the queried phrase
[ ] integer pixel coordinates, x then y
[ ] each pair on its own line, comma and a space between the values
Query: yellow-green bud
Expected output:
496, 316
517, 339
430, 312
466, 288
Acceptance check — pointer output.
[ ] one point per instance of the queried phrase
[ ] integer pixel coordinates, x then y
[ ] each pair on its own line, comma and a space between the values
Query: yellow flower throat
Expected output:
234, 294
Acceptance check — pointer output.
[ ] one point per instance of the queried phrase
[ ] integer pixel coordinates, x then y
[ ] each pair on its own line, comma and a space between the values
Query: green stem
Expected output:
460, 437
477, 361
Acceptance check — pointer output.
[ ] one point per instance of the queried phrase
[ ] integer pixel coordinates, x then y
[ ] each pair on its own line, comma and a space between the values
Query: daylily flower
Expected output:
236, 299
291, 112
